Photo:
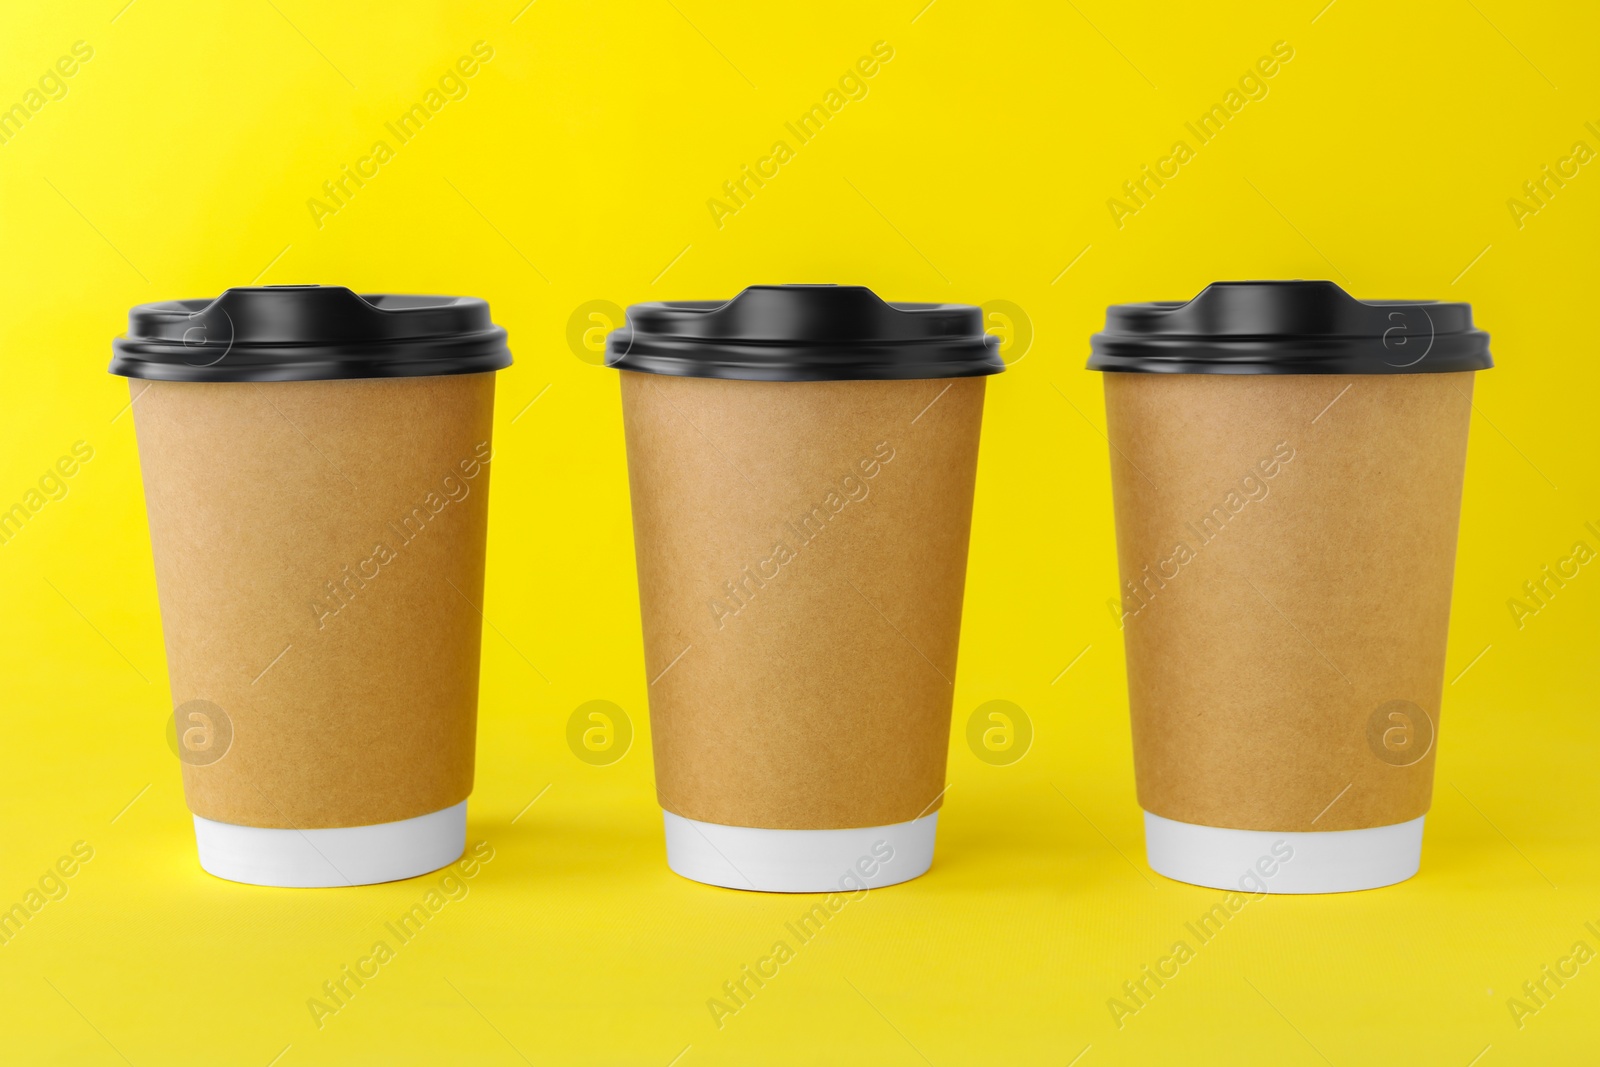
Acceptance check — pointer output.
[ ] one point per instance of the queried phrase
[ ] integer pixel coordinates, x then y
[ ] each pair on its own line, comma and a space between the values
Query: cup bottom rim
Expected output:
337, 856
1283, 862
799, 861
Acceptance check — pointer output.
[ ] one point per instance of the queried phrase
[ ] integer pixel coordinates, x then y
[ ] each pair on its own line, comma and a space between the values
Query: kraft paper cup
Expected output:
802, 461
1287, 468
316, 473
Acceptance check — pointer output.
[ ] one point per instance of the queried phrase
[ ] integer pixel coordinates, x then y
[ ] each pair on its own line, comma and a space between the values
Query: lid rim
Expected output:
167, 372
805, 333
1263, 368
308, 333
1289, 327
873, 372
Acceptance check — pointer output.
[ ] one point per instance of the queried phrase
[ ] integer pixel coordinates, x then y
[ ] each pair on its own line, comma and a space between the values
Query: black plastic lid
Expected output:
805, 333
293, 333
1289, 327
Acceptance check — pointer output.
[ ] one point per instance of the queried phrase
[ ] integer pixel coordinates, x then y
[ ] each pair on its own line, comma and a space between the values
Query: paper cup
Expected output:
802, 461
1287, 469
319, 555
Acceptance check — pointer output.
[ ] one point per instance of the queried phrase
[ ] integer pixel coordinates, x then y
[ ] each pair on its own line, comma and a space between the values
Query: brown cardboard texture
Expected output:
1287, 544
319, 554
802, 551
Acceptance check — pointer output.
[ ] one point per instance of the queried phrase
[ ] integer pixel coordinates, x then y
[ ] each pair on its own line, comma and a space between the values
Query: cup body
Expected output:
802, 551
1286, 546
801, 460
319, 556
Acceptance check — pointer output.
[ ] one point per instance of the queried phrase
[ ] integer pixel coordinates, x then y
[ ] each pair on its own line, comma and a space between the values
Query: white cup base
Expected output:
799, 861
341, 856
1331, 861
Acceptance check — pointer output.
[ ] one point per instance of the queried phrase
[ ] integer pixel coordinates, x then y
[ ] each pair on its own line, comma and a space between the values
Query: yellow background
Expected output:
977, 168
